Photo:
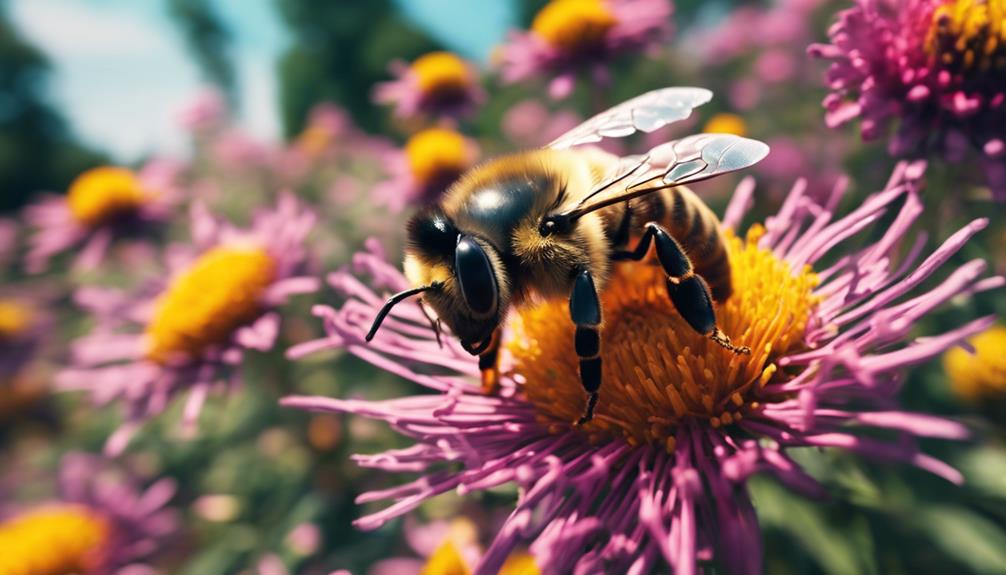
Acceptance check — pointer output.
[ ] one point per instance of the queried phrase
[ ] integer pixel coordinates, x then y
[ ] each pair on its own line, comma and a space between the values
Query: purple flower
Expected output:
933, 67
658, 477
102, 205
568, 36
102, 524
438, 84
189, 332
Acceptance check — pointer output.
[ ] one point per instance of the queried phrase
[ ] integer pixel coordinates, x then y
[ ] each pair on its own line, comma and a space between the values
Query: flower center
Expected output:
441, 75
437, 156
103, 194
969, 34
724, 123
656, 369
14, 319
574, 25
63, 540
982, 374
203, 306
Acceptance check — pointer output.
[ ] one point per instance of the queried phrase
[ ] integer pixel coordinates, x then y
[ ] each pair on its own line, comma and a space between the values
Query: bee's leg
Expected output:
585, 310
489, 365
687, 290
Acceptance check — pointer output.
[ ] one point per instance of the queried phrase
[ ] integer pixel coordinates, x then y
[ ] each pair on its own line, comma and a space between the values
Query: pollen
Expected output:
441, 75
437, 156
969, 35
15, 318
574, 26
103, 194
204, 305
656, 370
64, 540
725, 123
980, 375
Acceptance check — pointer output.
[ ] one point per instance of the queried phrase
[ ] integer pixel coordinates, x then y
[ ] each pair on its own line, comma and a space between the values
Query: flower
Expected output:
934, 67
567, 36
325, 124
435, 84
530, 124
190, 332
102, 524
24, 324
102, 205
430, 162
659, 475
980, 375
725, 123
205, 112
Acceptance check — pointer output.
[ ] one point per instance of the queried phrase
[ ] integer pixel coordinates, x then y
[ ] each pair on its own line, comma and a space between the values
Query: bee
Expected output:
551, 223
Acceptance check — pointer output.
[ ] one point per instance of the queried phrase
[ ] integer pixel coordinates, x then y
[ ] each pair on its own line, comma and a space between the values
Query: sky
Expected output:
121, 71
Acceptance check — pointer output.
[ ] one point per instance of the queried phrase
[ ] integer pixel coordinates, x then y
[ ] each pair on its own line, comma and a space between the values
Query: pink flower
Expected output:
438, 84
424, 168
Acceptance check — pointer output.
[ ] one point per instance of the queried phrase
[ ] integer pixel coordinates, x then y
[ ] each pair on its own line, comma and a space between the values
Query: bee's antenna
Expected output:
393, 301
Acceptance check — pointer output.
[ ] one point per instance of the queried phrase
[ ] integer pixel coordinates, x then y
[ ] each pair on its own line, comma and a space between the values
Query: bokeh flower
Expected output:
325, 125
569, 36
933, 67
190, 332
429, 163
978, 375
438, 84
206, 112
658, 477
102, 523
531, 124
102, 205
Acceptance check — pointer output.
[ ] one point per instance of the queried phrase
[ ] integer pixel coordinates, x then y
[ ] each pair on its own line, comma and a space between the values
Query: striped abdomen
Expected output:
689, 221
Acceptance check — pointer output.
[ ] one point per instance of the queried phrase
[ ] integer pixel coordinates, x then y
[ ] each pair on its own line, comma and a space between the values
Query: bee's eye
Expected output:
475, 276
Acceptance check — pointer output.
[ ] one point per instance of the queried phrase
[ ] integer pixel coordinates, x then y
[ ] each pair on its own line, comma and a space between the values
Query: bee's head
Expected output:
460, 275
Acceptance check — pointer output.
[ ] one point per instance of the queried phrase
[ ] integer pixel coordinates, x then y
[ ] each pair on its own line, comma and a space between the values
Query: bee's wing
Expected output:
690, 159
644, 113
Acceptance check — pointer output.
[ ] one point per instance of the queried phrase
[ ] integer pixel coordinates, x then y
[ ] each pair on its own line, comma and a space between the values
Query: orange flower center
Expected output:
982, 374
203, 306
15, 318
656, 369
969, 34
64, 540
103, 194
437, 156
441, 74
574, 25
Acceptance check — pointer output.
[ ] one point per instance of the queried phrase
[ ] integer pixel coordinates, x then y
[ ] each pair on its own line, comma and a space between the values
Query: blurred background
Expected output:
237, 99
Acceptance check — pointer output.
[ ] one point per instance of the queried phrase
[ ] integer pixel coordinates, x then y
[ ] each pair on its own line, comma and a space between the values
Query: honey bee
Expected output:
551, 222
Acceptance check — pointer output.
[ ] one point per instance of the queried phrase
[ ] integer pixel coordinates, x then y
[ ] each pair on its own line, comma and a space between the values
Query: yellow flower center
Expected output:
437, 156
982, 374
656, 369
203, 306
969, 34
14, 319
446, 560
441, 75
64, 540
724, 123
103, 194
314, 140
574, 25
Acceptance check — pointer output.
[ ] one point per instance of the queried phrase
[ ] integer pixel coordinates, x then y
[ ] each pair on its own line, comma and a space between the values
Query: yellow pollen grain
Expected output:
15, 318
204, 305
969, 34
437, 155
725, 123
656, 369
64, 540
574, 25
103, 194
982, 375
441, 73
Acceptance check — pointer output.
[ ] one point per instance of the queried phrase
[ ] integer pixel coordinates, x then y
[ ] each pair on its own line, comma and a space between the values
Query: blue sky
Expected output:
121, 70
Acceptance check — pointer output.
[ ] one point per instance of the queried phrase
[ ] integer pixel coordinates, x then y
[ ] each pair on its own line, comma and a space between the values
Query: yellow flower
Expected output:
724, 123
970, 34
15, 318
203, 306
63, 540
103, 194
437, 156
981, 375
441, 75
656, 369
574, 25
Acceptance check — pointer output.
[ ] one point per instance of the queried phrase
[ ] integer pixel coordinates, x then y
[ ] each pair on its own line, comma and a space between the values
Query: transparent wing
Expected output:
644, 113
691, 159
